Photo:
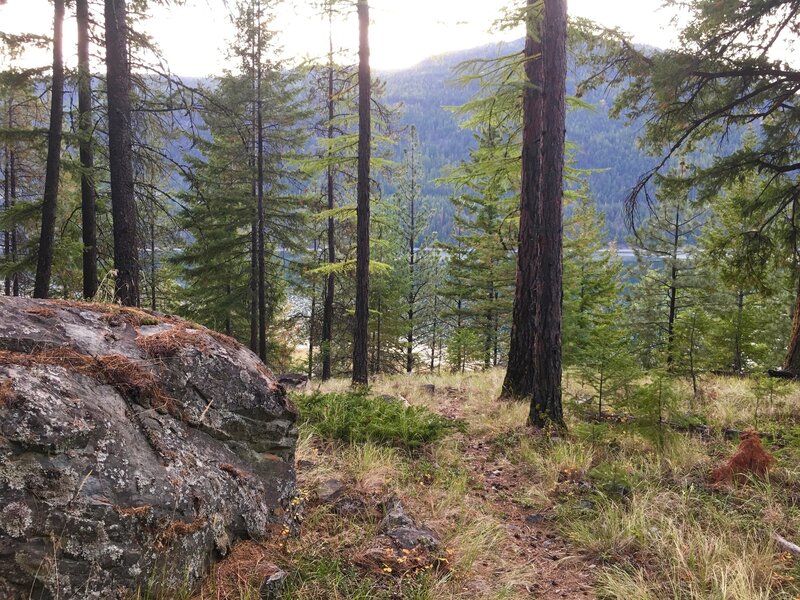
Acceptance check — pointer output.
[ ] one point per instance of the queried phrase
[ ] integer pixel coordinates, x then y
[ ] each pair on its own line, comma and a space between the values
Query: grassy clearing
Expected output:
640, 516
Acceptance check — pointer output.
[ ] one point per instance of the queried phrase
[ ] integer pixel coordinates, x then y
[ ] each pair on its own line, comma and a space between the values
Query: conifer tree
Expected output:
596, 339
85, 126
45, 249
668, 275
361, 329
120, 144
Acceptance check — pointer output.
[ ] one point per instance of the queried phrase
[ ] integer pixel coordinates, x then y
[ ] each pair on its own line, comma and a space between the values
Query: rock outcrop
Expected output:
135, 451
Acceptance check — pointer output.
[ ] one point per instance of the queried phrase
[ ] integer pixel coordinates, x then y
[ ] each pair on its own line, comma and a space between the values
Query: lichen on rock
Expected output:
128, 463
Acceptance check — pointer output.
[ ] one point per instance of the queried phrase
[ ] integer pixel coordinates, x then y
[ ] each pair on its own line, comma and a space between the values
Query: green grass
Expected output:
355, 417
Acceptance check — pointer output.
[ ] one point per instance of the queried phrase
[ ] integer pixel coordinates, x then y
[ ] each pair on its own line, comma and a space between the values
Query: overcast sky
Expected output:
193, 37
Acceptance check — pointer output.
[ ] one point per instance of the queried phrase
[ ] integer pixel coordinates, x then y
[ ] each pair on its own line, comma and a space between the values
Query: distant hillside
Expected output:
602, 143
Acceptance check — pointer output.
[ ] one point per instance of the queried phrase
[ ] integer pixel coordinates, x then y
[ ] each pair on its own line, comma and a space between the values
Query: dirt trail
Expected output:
563, 572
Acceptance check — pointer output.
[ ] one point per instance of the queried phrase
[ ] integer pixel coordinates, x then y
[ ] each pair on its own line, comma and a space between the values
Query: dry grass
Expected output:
647, 519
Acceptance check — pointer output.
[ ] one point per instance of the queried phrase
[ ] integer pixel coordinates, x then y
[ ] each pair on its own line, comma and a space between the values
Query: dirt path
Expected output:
563, 572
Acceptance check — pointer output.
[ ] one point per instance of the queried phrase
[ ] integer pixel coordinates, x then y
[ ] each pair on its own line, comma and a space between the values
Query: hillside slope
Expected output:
603, 144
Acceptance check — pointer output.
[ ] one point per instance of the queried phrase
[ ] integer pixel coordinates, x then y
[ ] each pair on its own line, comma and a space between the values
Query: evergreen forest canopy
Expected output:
341, 221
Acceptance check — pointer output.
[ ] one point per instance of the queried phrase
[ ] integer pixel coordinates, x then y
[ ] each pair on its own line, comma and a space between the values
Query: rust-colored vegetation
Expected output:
124, 375
133, 511
43, 311
239, 575
234, 471
113, 313
165, 344
7, 393
750, 459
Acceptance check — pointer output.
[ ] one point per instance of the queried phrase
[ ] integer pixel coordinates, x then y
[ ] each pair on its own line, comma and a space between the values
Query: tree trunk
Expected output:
253, 227
120, 141
412, 242
254, 281
44, 259
262, 292
13, 179
85, 125
518, 382
7, 194
311, 325
153, 295
548, 291
738, 362
791, 363
360, 338
327, 315
673, 291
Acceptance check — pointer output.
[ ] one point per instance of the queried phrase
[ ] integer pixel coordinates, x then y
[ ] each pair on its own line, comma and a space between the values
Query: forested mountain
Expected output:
601, 144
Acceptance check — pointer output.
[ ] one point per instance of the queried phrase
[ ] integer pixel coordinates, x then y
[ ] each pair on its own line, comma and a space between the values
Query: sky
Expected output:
403, 32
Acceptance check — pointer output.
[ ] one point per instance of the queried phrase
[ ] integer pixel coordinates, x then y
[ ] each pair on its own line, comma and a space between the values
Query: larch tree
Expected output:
361, 328
123, 205
44, 262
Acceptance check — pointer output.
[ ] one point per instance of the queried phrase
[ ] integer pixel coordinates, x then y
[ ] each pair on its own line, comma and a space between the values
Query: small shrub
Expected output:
356, 417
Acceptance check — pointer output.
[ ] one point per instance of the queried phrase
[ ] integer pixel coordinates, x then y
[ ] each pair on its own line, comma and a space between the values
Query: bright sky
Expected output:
403, 32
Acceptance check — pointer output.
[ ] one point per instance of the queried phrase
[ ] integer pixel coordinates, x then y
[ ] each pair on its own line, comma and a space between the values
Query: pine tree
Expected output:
361, 330
668, 276
85, 125
45, 249
120, 143
596, 338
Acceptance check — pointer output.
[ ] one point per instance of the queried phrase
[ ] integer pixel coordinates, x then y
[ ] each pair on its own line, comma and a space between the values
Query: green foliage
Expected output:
652, 405
355, 417
596, 338
766, 391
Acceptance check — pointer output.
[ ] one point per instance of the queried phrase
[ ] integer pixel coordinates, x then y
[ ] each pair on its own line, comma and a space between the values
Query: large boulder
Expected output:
135, 450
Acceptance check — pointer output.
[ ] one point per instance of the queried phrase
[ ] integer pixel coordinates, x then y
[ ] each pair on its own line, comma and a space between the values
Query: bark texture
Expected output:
86, 125
120, 153
47, 234
361, 333
548, 291
518, 382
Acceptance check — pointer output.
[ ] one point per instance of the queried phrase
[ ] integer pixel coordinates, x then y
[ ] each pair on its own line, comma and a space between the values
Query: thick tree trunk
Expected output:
327, 314
44, 259
85, 125
120, 144
518, 382
791, 363
548, 292
360, 338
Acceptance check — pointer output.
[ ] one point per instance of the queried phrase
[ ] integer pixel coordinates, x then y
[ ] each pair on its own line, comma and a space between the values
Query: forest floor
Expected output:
604, 511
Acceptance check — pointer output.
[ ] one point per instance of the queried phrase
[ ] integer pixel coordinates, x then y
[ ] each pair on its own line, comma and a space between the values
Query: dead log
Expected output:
786, 545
